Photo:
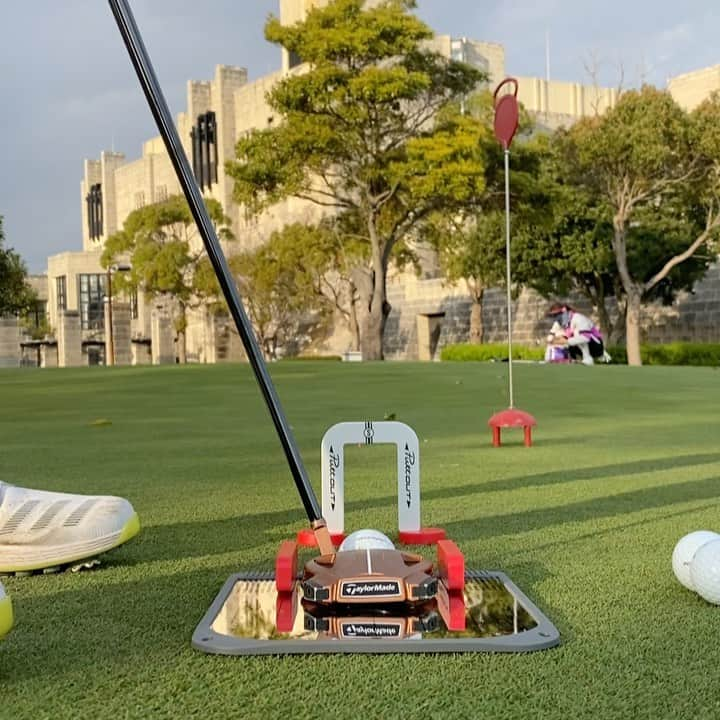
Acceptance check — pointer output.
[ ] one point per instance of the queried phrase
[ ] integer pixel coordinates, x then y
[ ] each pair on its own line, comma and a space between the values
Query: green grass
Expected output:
626, 461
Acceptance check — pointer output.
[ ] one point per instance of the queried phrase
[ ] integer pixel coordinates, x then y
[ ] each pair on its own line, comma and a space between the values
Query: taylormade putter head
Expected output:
369, 577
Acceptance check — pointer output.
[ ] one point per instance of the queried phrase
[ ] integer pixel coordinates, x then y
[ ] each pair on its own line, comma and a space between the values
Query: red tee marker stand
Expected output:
512, 418
505, 126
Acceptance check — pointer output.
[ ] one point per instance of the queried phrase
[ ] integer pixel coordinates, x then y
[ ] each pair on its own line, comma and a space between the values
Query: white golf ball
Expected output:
367, 539
705, 571
684, 552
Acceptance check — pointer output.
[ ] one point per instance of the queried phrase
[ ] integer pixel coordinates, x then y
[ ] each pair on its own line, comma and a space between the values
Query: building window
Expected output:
92, 292
458, 50
205, 150
95, 212
61, 292
139, 200
293, 59
161, 193
133, 304
38, 314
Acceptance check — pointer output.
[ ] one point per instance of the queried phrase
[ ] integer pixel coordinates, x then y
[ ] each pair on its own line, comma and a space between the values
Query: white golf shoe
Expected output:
46, 530
6, 613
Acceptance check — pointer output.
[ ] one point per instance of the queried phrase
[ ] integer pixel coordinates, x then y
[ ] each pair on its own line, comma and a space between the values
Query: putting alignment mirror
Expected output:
371, 433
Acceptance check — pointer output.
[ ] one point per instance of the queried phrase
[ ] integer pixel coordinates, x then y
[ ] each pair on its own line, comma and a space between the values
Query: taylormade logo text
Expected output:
360, 589
358, 630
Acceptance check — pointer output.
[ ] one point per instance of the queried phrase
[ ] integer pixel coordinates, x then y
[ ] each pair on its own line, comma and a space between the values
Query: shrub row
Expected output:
676, 353
300, 358
681, 353
490, 351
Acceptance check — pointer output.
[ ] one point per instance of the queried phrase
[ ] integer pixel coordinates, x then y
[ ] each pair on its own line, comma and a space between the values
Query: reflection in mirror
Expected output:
254, 609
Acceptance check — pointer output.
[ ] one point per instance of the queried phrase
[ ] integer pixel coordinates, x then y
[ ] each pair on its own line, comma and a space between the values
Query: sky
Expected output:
68, 90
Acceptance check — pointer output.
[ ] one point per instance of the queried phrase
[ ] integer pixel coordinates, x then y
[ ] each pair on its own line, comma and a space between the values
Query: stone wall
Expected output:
9, 342
121, 333
411, 297
693, 317
69, 339
162, 334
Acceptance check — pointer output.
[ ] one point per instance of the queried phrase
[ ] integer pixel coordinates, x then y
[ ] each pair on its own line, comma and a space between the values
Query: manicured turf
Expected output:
626, 461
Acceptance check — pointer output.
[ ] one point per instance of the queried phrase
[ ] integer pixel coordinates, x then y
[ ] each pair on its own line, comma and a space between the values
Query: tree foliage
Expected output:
167, 257
327, 258
359, 133
279, 283
649, 179
16, 296
471, 241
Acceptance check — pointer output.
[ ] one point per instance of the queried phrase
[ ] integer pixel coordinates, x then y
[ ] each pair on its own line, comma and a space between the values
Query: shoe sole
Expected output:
6, 617
74, 558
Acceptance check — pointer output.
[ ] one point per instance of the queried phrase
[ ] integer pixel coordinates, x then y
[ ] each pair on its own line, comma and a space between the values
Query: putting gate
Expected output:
408, 475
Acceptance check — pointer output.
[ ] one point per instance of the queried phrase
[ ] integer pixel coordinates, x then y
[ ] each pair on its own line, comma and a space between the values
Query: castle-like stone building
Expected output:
90, 329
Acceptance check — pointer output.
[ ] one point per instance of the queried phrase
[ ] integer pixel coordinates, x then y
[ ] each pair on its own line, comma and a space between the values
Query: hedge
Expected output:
490, 351
676, 353
301, 358
681, 353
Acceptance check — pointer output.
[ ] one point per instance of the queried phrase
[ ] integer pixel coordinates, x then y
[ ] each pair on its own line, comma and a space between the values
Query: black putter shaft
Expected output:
148, 80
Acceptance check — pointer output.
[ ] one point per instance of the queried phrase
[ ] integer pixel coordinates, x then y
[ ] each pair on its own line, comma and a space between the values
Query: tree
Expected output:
647, 157
282, 300
574, 254
577, 256
471, 242
16, 296
326, 258
167, 258
358, 134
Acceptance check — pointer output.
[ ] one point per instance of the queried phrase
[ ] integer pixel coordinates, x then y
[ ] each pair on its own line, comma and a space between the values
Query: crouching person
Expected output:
584, 340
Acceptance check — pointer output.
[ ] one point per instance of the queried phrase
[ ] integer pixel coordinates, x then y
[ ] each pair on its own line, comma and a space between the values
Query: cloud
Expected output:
670, 42
107, 103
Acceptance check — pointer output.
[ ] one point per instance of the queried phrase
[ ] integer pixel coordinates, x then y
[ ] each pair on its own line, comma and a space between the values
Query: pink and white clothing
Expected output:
584, 340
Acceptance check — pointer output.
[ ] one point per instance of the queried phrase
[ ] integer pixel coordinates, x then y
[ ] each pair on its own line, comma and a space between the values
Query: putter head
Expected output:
368, 577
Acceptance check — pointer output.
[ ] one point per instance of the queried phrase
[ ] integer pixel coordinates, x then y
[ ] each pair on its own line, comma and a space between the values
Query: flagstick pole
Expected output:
507, 271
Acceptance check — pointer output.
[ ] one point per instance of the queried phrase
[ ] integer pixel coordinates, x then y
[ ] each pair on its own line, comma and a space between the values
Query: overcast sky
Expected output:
68, 91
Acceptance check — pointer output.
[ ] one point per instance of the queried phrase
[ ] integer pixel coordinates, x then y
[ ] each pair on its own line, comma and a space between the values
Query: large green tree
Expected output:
327, 257
283, 301
471, 241
16, 296
653, 171
167, 258
357, 132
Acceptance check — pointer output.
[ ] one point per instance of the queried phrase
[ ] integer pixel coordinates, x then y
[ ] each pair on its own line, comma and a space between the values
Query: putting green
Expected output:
625, 461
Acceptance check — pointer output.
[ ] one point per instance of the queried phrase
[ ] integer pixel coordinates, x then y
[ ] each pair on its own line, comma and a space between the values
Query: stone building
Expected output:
218, 112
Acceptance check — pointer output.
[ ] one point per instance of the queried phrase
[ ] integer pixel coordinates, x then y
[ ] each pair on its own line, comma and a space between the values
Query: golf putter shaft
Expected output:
158, 106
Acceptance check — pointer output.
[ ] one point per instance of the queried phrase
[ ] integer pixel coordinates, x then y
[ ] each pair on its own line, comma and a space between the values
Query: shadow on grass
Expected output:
615, 529
112, 629
564, 475
185, 540
609, 506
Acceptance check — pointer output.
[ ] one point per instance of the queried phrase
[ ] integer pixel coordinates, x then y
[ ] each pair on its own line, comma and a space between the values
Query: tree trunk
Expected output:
633, 291
597, 296
603, 319
632, 328
371, 338
477, 329
378, 308
617, 329
182, 347
181, 328
353, 323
